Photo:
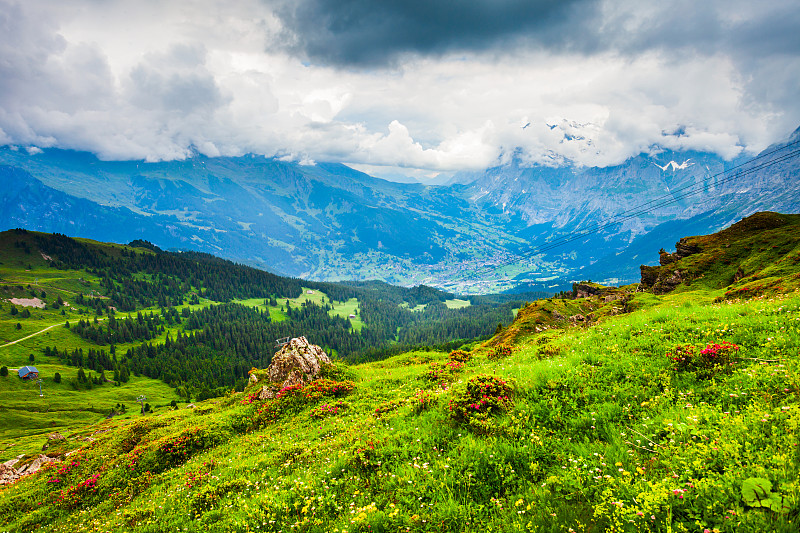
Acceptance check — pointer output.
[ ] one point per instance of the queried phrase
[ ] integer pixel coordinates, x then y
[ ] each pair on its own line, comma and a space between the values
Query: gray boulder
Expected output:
298, 361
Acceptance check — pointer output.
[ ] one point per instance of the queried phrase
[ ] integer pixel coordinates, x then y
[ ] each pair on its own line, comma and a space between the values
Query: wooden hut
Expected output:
28, 372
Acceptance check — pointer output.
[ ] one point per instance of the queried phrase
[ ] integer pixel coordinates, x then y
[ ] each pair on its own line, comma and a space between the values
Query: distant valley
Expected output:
329, 222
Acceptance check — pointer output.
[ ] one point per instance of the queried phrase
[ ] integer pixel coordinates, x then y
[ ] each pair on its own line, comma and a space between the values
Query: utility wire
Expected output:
665, 203
589, 231
664, 200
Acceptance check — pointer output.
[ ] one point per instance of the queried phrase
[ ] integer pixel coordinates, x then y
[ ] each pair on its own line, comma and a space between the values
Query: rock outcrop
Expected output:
683, 248
298, 361
665, 278
52, 439
9, 474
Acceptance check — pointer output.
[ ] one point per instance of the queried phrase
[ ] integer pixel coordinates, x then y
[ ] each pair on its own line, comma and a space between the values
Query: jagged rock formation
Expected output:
662, 280
607, 294
8, 474
298, 361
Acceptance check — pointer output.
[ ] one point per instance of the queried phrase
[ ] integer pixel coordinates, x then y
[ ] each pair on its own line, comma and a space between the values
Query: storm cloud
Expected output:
377, 33
369, 33
415, 88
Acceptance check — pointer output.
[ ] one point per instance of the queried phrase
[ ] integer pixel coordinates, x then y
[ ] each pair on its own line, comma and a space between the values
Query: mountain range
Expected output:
489, 231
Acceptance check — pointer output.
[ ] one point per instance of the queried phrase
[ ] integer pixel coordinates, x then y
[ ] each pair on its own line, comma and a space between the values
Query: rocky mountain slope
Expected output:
330, 222
757, 255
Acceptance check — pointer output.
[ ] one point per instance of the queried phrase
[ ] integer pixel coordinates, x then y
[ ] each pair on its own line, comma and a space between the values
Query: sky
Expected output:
416, 88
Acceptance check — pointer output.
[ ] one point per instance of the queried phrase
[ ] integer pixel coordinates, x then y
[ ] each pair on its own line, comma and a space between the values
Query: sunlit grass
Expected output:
603, 432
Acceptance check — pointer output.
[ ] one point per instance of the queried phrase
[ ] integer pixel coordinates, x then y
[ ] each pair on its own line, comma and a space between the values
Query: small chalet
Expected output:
28, 372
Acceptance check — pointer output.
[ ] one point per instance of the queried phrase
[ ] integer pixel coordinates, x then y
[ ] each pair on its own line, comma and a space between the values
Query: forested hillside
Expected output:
193, 335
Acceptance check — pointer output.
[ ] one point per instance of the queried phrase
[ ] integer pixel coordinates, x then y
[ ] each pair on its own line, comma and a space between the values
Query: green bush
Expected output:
500, 352
443, 373
209, 497
713, 359
329, 409
176, 450
387, 407
288, 400
460, 356
337, 371
481, 398
422, 401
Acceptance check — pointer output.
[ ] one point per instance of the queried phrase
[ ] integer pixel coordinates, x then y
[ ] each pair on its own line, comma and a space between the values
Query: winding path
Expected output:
31, 335
38, 333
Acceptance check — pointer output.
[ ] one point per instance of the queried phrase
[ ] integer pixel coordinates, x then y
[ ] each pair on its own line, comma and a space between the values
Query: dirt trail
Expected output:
37, 333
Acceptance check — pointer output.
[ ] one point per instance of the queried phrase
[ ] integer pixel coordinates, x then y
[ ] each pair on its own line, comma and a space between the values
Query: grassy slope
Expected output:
24, 415
602, 428
604, 434
457, 304
342, 309
758, 255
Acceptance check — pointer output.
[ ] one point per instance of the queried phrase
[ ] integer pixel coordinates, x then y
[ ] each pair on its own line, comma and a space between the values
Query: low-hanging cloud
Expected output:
427, 86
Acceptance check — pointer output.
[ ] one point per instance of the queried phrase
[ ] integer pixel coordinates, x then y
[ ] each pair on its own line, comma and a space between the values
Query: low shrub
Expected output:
337, 371
177, 450
329, 409
209, 497
714, 358
460, 356
479, 400
443, 373
422, 401
367, 456
387, 407
288, 400
500, 351
79, 494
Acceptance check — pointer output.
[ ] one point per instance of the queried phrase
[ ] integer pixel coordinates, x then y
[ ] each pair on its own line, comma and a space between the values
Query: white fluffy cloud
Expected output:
155, 80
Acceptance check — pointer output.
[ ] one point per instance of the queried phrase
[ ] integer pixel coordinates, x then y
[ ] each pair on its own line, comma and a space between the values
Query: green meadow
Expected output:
596, 428
342, 309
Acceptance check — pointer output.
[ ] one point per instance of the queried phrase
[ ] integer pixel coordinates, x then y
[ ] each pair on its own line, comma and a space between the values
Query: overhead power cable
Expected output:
672, 197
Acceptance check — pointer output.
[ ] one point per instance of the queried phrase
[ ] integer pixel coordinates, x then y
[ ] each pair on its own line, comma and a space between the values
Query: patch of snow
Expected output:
675, 166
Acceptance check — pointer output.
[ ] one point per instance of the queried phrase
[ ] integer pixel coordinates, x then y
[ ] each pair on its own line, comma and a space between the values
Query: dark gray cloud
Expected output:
721, 27
175, 82
369, 33
429, 85
378, 32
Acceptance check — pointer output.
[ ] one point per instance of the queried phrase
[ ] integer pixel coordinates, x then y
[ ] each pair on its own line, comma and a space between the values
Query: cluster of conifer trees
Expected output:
143, 327
222, 342
97, 360
218, 345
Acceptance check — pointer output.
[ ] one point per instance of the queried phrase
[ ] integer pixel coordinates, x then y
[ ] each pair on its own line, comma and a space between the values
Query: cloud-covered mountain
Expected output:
486, 231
